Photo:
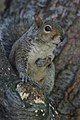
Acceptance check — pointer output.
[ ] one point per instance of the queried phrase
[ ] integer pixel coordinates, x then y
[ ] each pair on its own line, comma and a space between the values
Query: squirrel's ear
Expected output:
38, 21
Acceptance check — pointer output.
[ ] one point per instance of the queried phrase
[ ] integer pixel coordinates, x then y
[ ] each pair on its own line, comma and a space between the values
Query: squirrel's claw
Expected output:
23, 77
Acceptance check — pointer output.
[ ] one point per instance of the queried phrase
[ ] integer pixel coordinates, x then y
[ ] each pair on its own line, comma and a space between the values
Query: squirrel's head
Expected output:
48, 31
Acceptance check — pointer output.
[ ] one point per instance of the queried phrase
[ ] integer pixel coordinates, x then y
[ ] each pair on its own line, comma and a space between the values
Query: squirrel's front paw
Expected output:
60, 46
43, 62
23, 77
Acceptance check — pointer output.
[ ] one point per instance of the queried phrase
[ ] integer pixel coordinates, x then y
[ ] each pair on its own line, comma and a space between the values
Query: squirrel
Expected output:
33, 56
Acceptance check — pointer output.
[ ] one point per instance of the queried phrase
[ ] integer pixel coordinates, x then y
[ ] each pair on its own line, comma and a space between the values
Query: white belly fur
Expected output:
39, 51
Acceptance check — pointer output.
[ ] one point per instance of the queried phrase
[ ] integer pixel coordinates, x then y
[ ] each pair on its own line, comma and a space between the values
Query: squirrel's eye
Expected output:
47, 28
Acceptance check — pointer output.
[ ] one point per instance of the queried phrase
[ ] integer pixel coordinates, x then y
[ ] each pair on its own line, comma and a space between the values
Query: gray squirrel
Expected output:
33, 57
33, 53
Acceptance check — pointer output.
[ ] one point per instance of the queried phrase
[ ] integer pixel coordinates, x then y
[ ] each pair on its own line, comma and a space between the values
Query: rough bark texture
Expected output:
66, 92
